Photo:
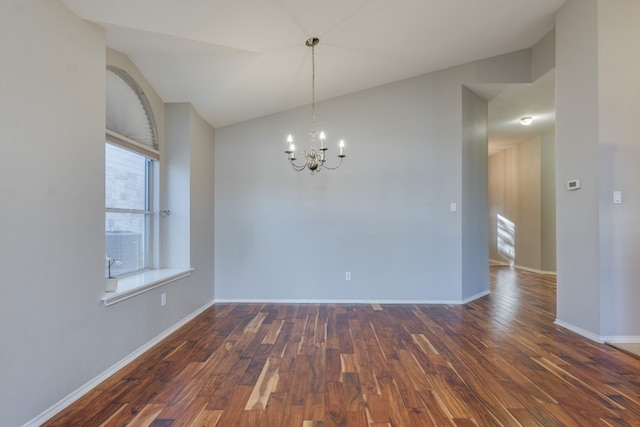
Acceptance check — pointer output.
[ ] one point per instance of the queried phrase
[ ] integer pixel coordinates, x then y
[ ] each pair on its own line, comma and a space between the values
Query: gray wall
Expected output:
548, 201
284, 235
55, 334
597, 105
619, 166
177, 197
188, 232
577, 158
189, 195
384, 216
475, 212
496, 179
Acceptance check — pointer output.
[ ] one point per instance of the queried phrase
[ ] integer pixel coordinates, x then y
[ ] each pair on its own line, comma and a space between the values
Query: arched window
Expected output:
131, 150
129, 114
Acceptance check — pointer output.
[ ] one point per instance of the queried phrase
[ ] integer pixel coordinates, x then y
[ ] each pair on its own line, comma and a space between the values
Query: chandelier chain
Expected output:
313, 95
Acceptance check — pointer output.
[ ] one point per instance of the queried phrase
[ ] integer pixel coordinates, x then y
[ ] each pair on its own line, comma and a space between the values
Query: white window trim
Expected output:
127, 143
139, 283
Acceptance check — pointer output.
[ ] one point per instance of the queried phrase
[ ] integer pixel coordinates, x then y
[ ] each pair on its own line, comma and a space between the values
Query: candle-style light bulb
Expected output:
291, 147
341, 145
322, 138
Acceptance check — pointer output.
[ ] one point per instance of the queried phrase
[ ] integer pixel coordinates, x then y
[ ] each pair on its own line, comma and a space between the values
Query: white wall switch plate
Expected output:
617, 197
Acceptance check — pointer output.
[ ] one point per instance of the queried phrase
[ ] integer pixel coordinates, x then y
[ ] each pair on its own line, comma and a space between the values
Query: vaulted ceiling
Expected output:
239, 59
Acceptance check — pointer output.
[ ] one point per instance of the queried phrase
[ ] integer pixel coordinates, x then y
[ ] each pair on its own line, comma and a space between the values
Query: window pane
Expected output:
125, 179
126, 238
126, 187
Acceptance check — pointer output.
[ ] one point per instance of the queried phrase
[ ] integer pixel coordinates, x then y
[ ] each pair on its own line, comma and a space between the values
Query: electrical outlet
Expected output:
347, 275
163, 299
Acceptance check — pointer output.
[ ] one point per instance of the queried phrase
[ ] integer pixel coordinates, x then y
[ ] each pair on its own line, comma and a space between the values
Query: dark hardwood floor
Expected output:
498, 361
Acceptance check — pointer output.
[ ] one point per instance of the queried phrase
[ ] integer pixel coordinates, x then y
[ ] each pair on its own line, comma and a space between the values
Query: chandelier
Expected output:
314, 159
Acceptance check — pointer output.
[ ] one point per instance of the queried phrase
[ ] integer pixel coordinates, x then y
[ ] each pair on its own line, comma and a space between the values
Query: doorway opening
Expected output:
521, 174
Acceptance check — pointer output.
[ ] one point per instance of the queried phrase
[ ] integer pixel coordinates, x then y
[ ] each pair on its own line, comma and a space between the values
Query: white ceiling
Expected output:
239, 59
509, 103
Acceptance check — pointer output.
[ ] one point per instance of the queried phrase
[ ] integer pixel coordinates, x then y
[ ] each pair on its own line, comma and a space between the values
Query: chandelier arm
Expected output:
298, 168
333, 168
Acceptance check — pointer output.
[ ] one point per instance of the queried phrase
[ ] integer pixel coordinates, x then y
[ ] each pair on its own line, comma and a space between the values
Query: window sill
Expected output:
130, 286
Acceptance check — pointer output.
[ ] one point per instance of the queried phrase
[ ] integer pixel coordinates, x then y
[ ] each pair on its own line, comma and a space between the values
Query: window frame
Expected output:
149, 189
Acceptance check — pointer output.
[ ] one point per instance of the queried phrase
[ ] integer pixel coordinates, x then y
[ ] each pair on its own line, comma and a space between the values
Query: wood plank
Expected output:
335, 414
235, 407
314, 407
185, 413
300, 381
147, 415
273, 333
352, 393
272, 415
318, 369
207, 418
264, 387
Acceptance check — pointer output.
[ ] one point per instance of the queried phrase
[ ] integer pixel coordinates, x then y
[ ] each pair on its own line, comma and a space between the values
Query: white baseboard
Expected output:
632, 339
77, 394
476, 296
612, 339
521, 267
329, 301
579, 331
345, 301
534, 270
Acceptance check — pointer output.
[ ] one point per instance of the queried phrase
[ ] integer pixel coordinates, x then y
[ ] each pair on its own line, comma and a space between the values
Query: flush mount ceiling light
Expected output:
526, 121
315, 157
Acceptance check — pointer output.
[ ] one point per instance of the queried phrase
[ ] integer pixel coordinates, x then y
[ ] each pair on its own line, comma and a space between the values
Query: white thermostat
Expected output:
574, 184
